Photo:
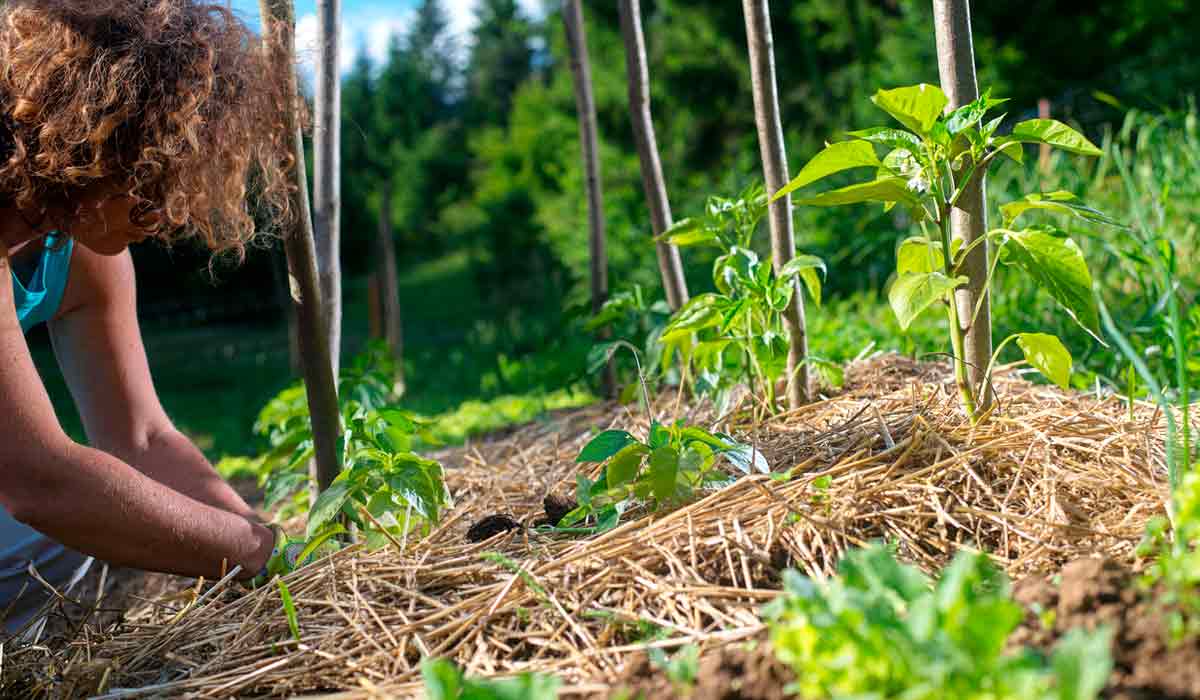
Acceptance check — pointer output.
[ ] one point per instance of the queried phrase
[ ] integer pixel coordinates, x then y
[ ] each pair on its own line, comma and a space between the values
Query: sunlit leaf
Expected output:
834, 158
888, 189
807, 267
913, 293
1056, 264
1054, 133
624, 465
917, 107
1048, 355
605, 445
1059, 202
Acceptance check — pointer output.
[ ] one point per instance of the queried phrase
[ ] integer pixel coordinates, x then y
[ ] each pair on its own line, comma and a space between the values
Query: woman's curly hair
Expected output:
174, 101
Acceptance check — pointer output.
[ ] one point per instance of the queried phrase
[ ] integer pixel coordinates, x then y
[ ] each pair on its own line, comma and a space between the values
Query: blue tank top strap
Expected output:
39, 300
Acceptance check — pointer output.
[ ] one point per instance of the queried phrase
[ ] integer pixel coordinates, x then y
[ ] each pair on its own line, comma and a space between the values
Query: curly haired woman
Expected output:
120, 120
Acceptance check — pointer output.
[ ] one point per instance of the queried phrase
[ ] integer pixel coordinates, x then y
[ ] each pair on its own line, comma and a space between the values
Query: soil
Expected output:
1094, 592
557, 507
741, 672
490, 526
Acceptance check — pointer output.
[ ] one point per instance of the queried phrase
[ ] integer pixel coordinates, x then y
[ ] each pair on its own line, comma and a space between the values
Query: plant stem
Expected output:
956, 331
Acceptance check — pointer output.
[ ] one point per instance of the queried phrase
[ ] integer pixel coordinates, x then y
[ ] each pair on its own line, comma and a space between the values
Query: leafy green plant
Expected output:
745, 313
666, 469
925, 170
879, 630
444, 681
636, 320
381, 475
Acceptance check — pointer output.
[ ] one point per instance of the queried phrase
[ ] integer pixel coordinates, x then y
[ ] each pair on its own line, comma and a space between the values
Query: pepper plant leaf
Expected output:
1059, 202
971, 113
916, 107
686, 232
918, 255
1048, 355
913, 293
1056, 263
834, 158
664, 466
624, 465
605, 445
327, 505
806, 266
1053, 133
885, 189
887, 136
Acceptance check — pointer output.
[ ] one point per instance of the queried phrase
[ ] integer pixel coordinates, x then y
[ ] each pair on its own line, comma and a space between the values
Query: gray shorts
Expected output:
22, 595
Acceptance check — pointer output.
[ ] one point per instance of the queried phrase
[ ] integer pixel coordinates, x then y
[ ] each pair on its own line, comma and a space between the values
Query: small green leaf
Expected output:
624, 465
971, 113
605, 445
747, 459
834, 158
1082, 661
696, 458
608, 518
443, 681
887, 136
659, 435
327, 505
686, 232
289, 609
913, 293
600, 354
806, 266
1047, 353
1013, 151
1054, 133
664, 466
918, 255
1056, 264
887, 189
1059, 202
917, 107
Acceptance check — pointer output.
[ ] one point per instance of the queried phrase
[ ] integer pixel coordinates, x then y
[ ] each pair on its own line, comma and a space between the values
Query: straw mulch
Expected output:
1051, 477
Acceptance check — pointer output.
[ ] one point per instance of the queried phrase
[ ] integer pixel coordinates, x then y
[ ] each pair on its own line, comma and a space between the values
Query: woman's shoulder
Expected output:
97, 280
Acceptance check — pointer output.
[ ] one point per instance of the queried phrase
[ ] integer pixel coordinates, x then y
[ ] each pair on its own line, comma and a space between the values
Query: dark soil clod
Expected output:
491, 526
557, 507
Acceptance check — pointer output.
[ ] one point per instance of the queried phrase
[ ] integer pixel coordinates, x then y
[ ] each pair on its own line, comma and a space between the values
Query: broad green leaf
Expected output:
1054, 133
664, 465
443, 681
1056, 264
1059, 202
709, 354
918, 255
418, 483
917, 107
699, 313
327, 505
696, 458
806, 266
747, 459
1013, 151
659, 435
913, 293
887, 136
608, 518
280, 485
888, 189
835, 158
599, 355
605, 445
1047, 353
703, 436
1082, 661
623, 467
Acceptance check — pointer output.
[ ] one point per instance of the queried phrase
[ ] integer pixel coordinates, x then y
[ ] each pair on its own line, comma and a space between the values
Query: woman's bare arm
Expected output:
100, 351
94, 502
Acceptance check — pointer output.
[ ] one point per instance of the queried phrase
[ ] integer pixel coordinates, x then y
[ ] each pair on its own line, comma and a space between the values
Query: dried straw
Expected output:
1050, 477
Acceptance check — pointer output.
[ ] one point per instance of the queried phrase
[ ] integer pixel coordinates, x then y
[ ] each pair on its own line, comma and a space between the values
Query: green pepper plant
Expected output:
381, 475
736, 332
925, 169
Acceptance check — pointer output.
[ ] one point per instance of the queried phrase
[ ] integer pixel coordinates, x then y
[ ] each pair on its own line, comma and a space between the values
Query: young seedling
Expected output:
744, 317
925, 169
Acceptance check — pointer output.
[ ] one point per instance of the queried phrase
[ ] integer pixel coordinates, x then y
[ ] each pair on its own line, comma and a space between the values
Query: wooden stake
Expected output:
279, 27
774, 159
655, 186
327, 167
968, 220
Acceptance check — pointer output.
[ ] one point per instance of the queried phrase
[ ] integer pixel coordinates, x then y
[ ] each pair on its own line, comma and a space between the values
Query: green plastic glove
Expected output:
286, 555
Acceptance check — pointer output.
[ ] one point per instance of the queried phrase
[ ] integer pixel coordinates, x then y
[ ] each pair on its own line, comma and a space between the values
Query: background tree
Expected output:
774, 164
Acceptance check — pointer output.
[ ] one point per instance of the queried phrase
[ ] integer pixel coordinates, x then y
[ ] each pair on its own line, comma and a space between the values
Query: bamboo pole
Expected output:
968, 219
655, 186
327, 180
585, 104
774, 158
279, 27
